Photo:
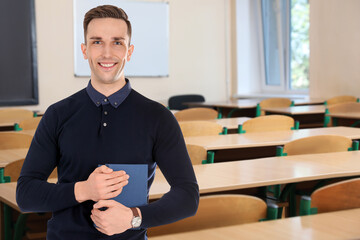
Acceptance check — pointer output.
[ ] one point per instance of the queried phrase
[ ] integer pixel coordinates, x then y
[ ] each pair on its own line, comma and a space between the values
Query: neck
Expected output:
108, 89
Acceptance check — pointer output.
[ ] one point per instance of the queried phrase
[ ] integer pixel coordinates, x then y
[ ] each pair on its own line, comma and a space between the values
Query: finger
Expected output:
96, 221
104, 169
104, 203
117, 186
114, 194
117, 180
102, 230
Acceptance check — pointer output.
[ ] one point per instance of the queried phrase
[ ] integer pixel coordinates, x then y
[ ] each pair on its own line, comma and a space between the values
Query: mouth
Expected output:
107, 66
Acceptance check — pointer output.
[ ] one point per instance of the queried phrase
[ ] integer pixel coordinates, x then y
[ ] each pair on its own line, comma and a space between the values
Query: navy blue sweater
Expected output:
72, 137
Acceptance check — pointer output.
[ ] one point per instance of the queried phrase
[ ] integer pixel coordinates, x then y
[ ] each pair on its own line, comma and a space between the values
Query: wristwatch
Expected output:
136, 220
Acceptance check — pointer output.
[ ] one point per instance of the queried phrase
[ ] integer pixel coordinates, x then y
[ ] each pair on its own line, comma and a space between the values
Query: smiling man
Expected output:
107, 122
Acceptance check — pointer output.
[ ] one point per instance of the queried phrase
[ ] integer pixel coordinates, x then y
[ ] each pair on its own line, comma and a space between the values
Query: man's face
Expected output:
107, 49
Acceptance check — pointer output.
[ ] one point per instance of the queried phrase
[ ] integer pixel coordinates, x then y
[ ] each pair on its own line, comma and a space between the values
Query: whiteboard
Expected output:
150, 37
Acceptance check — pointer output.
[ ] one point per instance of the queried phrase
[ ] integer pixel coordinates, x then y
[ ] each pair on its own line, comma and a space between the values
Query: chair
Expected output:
340, 99
318, 144
29, 124
310, 145
272, 102
334, 197
218, 211
340, 108
268, 123
192, 114
176, 102
199, 155
10, 114
200, 128
11, 140
11, 173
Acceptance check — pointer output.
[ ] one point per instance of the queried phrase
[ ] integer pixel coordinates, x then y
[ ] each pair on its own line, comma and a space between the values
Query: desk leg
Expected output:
2, 235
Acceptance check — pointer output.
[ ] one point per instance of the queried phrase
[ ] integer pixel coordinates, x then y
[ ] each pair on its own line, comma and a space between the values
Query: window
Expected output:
285, 25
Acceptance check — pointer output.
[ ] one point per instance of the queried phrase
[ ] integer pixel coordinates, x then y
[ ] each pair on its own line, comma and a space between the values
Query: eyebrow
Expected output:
114, 38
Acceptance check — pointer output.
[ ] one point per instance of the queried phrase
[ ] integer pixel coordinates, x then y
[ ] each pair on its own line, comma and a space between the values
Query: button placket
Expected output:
105, 114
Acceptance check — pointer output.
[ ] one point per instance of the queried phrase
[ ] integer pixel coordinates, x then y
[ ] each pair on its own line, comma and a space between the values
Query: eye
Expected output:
96, 42
118, 43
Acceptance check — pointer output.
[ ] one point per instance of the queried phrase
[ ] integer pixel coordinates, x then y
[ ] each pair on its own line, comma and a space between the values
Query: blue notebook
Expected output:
134, 194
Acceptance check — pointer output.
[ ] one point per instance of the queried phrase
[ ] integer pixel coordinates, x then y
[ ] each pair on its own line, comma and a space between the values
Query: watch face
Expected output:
136, 222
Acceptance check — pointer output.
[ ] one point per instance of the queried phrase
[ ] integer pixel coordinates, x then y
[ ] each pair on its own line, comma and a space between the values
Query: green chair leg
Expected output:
240, 130
225, 131
296, 126
219, 113
19, 228
7, 222
288, 192
210, 158
271, 213
280, 151
327, 118
258, 110
17, 128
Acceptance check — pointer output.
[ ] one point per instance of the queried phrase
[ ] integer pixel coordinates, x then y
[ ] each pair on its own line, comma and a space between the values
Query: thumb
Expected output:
105, 203
103, 169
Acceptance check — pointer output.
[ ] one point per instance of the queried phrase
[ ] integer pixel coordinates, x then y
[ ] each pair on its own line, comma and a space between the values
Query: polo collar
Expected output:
114, 99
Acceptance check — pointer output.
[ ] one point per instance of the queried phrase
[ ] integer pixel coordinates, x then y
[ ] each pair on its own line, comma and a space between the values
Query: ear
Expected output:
130, 51
83, 49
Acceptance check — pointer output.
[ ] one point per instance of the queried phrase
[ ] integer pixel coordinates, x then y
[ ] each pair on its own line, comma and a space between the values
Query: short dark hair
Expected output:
106, 11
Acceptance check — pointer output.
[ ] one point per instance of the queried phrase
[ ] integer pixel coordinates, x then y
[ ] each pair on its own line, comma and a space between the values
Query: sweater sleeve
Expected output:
33, 192
173, 160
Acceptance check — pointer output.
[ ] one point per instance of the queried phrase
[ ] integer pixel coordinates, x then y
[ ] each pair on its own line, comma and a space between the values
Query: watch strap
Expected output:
135, 212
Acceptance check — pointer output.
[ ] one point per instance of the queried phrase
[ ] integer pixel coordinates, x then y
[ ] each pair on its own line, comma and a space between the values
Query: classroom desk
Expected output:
245, 107
10, 155
236, 175
261, 144
312, 115
339, 225
345, 119
247, 174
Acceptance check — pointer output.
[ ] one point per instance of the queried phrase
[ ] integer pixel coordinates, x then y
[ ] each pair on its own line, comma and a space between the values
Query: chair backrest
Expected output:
10, 114
200, 128
217, 211
196, 153
344, 107
318, 144
192, 114
341, 99
30, 123
274, 102
11, 140
268, 123
176, 102
13, 170
337, 196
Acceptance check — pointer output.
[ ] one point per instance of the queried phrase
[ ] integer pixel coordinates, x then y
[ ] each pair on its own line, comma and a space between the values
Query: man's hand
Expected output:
115, 219
103, 183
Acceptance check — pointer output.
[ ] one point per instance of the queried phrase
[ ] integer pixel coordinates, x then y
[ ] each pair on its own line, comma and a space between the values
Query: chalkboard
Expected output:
18, 61
150, 36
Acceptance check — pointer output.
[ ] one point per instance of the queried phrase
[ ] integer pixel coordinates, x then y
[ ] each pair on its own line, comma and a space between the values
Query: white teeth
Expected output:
107, 65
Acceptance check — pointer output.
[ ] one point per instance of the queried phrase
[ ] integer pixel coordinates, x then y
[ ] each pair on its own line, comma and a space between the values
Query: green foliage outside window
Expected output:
300, 44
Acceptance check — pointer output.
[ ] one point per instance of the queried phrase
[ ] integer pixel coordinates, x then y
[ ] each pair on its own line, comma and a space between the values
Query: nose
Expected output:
106, 51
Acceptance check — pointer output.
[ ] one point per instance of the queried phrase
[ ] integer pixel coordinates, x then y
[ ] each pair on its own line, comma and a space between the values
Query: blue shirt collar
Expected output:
114, 99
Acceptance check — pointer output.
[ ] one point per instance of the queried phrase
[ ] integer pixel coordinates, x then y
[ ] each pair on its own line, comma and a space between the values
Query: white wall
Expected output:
334, 48
249, 50
197, 52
